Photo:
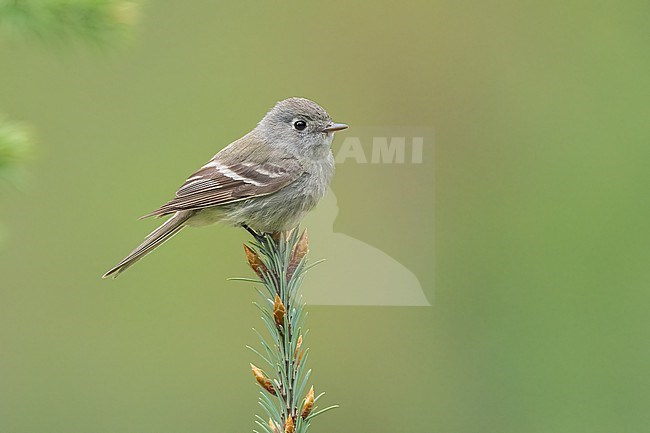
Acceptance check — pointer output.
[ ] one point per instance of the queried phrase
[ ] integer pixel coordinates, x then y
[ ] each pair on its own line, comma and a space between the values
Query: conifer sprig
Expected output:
96, 21
279, 261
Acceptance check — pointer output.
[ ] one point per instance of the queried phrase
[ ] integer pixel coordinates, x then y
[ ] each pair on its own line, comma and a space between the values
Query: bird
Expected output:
265, 182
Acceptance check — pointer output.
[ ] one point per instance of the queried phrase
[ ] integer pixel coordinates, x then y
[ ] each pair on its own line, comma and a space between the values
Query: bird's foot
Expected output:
258, 237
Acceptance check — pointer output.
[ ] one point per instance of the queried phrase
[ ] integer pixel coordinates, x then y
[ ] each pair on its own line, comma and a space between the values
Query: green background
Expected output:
534, 257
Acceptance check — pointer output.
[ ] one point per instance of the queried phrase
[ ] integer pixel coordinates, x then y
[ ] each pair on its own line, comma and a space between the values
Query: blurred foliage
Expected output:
95, 21
98, 22
15, 146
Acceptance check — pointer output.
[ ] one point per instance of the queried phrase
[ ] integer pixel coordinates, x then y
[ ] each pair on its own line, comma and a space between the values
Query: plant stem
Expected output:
279, 261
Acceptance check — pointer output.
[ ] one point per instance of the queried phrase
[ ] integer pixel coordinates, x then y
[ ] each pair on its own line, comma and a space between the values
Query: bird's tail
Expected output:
156, 238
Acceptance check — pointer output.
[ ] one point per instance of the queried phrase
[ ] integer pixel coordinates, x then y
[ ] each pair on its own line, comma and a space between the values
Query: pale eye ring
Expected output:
300, 125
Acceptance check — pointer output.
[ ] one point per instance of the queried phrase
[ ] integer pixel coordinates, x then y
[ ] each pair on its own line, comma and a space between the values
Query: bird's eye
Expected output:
300, 125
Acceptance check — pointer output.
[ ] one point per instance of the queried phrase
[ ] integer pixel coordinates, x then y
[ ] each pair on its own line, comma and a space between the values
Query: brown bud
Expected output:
302, 247
309, 404
299, 360
277, 236
300, 250
298, 344
289, 426
264, 381
279, 311
255, 262
274, 426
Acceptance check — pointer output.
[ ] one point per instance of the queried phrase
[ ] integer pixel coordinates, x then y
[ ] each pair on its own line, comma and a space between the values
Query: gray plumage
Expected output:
267, 180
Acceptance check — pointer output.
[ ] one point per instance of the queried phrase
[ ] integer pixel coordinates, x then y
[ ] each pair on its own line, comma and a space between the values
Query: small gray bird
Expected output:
265, 182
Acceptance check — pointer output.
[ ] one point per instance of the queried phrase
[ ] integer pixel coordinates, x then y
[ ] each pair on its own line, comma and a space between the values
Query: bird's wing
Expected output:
217, 183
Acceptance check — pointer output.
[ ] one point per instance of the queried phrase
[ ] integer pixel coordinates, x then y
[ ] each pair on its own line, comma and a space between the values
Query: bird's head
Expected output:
301, 126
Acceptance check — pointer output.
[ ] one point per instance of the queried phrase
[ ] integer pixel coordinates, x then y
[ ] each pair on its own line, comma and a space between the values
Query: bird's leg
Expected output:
258, 237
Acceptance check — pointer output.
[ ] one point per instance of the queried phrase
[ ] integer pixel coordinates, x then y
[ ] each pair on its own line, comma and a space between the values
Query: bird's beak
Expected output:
333, 127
